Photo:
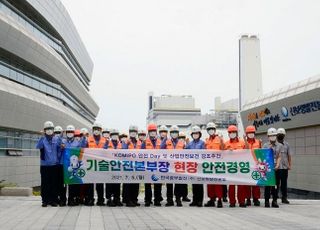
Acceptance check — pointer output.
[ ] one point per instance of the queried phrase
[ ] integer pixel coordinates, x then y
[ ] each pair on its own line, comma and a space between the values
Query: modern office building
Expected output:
297, 109
45, 73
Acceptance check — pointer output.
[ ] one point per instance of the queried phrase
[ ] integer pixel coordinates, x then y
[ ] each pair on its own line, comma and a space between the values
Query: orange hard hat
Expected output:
152, 127
232, 128
250, 129
77, 133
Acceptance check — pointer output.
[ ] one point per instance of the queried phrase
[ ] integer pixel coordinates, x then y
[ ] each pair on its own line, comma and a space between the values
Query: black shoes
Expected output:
44, 205
130, 204
266, 204
224, 199
100, 203
186, 199
89, 202
193, 204
169, 203
274, 204
256, 202
232, 205
210, 203
147, 204
285, 201
179, 203
242, 205
157, 203
219, 204
54, 204
248, 203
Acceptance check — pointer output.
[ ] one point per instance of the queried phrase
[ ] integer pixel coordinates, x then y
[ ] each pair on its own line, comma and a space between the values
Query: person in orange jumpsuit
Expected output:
214, 142
252, 143
234, 143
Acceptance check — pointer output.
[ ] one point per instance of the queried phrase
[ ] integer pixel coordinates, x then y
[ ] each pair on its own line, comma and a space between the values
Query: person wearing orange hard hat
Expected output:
152, 142
234, 143
252, 143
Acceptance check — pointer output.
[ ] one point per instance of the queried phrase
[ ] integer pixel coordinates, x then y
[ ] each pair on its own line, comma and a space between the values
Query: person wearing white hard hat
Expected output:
173, 143
106, 133
196, 143
284, 167
95, 141
71, 142
163, 132
113, 190
58, 130
131, 191
214, 142
50, 155
275, 146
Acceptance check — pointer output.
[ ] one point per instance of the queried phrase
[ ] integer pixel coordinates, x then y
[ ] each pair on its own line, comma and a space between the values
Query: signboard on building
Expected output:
292, 112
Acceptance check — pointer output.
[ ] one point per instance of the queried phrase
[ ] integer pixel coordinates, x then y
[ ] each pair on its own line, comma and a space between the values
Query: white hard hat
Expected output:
106, 130
163, 128
281, 131
272, 132
133, 128
97, 125
182, 134
174, 128
48, 125
195, 129
211, 125
70, 128
114, 131
84, 131
142, 132
58, 129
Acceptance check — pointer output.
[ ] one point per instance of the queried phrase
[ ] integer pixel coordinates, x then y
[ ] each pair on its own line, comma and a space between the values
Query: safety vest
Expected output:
214, 143
149, 144
92, 142
237, 144
179, 145
256, 144
131, 145
110, 145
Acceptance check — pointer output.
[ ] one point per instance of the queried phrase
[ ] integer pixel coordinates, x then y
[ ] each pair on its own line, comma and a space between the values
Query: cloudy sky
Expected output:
190, 47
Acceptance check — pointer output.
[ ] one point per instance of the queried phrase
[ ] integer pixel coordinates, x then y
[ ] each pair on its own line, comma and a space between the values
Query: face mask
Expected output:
182, 139
114, 137
196, 136
174, 135
96, 132
142, 138
211, 132
106, 135
163, 134
133, 134
232, 135
77, 138
49, 132
58, 134
250, 135
280, 137
70, 135
153, 134
272, 138
124, 139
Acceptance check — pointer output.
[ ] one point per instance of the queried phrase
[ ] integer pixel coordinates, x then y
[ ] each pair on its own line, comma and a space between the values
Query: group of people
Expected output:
55, 139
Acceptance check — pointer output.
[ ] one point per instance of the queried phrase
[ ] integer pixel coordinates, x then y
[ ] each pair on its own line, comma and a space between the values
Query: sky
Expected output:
189, 47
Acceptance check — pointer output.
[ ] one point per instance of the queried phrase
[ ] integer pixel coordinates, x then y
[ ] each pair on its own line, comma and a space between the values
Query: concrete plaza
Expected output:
27, 213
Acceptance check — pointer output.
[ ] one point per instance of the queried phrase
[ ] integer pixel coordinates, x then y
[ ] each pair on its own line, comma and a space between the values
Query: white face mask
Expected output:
250, 135
196, 136
272, 138
96, 132
142, 138
211, 132
174, 135
77, 138
232, 135
153, 134
49, 132
133, 134
123, 139
70, 135
106, 135
114, 137
163, 134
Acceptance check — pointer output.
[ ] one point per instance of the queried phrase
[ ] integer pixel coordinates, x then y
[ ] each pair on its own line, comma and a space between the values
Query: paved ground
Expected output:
26, 213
